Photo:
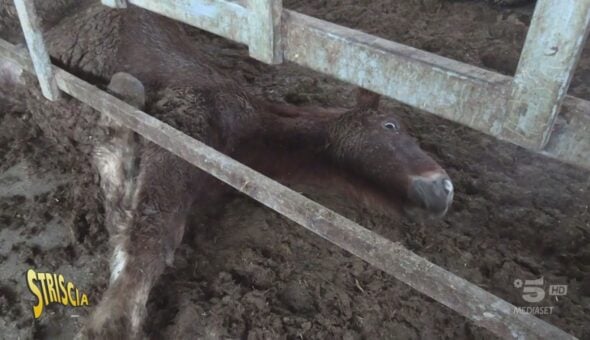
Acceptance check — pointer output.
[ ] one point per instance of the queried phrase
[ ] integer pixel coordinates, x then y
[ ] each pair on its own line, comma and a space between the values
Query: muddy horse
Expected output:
152, 63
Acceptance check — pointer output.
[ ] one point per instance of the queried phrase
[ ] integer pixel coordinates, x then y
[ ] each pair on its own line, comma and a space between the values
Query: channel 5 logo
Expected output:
534, 290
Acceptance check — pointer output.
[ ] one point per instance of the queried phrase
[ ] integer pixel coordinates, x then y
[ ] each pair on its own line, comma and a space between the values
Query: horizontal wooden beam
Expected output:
450, 89
226, 18
485, 309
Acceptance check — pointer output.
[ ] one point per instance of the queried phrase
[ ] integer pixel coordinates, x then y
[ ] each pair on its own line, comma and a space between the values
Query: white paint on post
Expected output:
115, 3
34, 37
264, 26
551, 51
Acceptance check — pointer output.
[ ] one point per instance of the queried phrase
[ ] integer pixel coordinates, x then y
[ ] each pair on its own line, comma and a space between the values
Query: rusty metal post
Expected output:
551, 51
34, 37
264, 26
115, 3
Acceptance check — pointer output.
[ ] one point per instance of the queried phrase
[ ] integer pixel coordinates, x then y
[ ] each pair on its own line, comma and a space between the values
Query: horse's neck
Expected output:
281, 142
303, 133
291, 148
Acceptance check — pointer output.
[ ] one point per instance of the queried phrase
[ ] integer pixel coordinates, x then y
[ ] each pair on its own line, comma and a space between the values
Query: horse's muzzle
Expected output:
433, 192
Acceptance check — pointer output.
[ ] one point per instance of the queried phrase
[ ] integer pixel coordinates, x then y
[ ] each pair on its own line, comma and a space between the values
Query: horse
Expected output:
150, 62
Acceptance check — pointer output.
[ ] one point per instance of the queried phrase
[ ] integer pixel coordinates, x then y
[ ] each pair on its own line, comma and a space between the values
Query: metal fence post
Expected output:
34, 37
551, 51
264, 25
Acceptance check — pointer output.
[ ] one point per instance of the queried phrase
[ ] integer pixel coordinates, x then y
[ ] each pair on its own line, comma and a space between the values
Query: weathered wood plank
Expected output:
570, 140
115, 3
226, 18
551, 51
454, 292
459, 92
264, 24
34, 37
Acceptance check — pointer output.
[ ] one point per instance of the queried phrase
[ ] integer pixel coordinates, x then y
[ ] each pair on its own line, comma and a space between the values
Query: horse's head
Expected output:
375, 145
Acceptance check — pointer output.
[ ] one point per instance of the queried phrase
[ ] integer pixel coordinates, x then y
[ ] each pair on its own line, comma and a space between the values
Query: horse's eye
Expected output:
390, 126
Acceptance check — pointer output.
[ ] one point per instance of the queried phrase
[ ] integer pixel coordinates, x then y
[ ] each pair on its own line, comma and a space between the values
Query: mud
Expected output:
246, 272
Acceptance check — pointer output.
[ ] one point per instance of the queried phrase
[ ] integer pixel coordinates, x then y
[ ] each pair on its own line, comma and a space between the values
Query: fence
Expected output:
522, 109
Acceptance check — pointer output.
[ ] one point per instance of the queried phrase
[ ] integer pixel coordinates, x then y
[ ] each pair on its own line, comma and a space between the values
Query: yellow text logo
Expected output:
52, 288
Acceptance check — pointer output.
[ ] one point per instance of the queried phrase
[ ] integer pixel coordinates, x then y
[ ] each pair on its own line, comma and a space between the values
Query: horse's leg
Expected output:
145, 214
117, 157
144, 243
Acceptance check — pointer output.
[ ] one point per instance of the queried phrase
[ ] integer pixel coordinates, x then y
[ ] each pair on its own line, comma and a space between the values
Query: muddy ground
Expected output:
246, 272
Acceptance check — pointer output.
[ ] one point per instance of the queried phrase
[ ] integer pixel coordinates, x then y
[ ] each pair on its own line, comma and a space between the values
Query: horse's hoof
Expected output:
128, 88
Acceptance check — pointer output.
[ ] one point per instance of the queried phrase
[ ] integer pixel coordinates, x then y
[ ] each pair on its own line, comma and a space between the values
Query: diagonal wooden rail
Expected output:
485, 309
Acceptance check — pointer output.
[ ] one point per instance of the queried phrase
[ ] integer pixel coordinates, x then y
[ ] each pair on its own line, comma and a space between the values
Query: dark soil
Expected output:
246, 272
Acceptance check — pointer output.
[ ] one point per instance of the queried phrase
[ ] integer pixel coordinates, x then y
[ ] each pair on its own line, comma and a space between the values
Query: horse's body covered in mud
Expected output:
150, 62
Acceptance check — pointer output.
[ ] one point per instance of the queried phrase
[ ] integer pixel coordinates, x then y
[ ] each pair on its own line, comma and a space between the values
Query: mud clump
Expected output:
297, 298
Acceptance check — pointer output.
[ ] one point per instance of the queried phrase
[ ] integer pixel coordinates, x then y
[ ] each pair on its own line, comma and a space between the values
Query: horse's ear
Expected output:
367, 99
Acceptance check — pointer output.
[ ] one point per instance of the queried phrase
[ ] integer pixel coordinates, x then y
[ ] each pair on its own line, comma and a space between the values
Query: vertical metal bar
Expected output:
552, 49
264, 26
34, 37
115, 3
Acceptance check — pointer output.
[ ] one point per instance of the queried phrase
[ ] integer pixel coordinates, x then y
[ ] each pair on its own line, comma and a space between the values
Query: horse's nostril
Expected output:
448, 186
433, 191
